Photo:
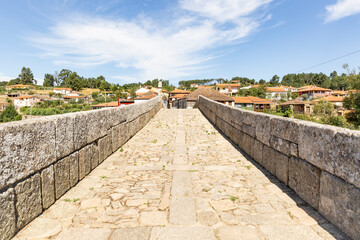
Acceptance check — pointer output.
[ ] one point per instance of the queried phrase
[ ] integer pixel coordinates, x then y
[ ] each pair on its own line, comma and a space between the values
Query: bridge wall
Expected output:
320, 163
43, 158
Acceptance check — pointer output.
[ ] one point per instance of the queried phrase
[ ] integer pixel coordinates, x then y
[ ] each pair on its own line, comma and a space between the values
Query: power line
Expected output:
329, 61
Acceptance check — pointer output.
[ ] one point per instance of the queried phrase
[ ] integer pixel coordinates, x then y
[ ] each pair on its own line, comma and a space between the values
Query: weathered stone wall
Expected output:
320, 163
41, 159
180, 104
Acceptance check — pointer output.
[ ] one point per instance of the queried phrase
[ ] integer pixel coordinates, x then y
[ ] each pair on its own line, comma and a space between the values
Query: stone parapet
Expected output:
320, 163
41, 159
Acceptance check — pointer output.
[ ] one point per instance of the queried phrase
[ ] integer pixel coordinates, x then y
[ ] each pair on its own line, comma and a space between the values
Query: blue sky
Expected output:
133, 41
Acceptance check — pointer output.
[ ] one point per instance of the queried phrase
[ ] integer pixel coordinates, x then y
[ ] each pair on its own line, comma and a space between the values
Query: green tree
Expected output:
352, 102
323, 108
49, 80
10, 114
62, 76
26, 76
104, 86
275, 80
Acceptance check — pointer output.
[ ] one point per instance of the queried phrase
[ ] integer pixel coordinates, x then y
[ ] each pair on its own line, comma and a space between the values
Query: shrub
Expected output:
10, 114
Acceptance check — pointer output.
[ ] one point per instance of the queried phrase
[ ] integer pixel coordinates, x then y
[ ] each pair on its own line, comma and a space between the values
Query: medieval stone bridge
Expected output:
179, 178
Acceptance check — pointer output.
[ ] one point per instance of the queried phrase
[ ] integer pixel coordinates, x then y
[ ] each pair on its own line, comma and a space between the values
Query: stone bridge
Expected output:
179, 177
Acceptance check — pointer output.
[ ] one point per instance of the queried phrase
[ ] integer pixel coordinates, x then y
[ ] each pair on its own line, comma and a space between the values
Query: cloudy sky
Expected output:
133, 41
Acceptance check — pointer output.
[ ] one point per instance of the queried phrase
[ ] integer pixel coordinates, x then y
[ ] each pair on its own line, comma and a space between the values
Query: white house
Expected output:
63, 91
25, 101
141, 91
74, 94
227, 88
275, 92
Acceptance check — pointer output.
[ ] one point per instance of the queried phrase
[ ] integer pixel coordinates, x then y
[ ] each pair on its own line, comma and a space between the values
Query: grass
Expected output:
291, 215
155, 141
163, 167
121, 149
91, 188
192, 170
232, 198
72, 200
206, 189
103, 177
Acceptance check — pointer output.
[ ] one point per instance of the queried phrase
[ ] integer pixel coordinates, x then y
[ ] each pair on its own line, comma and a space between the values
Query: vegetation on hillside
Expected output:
54, 107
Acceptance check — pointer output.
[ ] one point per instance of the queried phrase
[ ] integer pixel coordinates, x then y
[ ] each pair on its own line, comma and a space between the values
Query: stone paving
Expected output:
179, 178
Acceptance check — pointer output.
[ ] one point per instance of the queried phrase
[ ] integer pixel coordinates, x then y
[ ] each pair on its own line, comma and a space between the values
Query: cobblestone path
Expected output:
179, 178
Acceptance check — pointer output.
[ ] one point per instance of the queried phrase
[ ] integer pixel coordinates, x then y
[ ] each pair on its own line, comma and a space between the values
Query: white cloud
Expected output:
343, 8
4, 78
171, 49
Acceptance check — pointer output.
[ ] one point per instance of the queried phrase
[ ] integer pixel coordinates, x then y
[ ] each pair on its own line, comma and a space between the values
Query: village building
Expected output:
112, 104
194, 85
252, 103
339, 93
314, 92
62, 91
190, 100
177, 94
289, 89
74, 93
25, 101
276, 93
228, 88
76, 98
145, 97
337, 101
3, 105
299, 107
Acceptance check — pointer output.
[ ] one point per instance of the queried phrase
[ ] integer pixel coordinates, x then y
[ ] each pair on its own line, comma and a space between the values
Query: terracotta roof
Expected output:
147, 95
330, 99
180, 91
307, 86
314, 88
251, 99
275, 89
110, 104
25, 97
209, 93
228, 84
179, 96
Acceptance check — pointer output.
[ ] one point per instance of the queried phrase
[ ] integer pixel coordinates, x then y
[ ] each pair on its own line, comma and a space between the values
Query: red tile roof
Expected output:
330, 99
179, 96
314, 88
110, 104
251, 99
179, 91
209, 93
275, 89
